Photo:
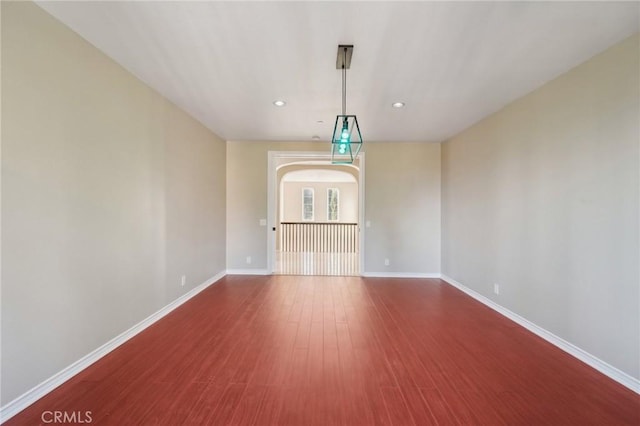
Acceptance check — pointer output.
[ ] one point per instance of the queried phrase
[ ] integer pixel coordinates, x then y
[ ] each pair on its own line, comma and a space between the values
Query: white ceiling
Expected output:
453, 63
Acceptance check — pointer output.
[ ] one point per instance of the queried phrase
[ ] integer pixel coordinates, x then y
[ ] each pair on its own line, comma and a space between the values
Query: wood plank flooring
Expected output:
292, 350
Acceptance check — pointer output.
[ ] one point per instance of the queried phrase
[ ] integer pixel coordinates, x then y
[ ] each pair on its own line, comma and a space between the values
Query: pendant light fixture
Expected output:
347, 140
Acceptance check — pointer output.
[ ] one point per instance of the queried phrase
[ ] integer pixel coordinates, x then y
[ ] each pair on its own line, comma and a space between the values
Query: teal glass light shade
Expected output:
346, 141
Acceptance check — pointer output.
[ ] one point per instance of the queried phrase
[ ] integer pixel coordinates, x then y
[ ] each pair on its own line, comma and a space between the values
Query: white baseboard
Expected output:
606, 369
23, 401
400, 275
247, 272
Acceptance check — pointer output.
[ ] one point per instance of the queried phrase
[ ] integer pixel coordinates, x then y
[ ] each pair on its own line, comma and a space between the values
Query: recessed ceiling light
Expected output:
279, 103
397, 104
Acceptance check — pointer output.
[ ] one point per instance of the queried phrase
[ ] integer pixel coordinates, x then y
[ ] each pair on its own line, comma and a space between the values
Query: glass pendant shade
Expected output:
346, 141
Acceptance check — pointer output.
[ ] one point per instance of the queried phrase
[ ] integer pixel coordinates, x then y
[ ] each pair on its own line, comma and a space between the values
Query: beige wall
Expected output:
247, 164
542, 198
402, 201
109, 195
347, 201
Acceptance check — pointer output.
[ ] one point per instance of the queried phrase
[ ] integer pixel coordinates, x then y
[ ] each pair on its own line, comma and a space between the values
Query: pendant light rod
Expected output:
343, 62
344, 82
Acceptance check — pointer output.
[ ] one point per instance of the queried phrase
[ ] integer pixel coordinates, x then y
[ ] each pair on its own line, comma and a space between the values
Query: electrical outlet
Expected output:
496, 288
249, 260
183, 281
386, 262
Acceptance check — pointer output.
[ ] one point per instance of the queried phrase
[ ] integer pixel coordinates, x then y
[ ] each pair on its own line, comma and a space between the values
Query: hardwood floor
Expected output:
292, 350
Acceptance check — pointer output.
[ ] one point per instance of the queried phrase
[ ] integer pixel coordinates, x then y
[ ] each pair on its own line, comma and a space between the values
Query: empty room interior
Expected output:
319, 213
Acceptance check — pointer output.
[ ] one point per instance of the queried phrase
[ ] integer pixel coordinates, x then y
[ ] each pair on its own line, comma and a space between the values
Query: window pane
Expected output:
307, 204
332, 204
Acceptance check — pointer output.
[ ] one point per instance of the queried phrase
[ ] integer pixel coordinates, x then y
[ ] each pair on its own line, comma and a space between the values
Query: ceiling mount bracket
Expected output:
342, 58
